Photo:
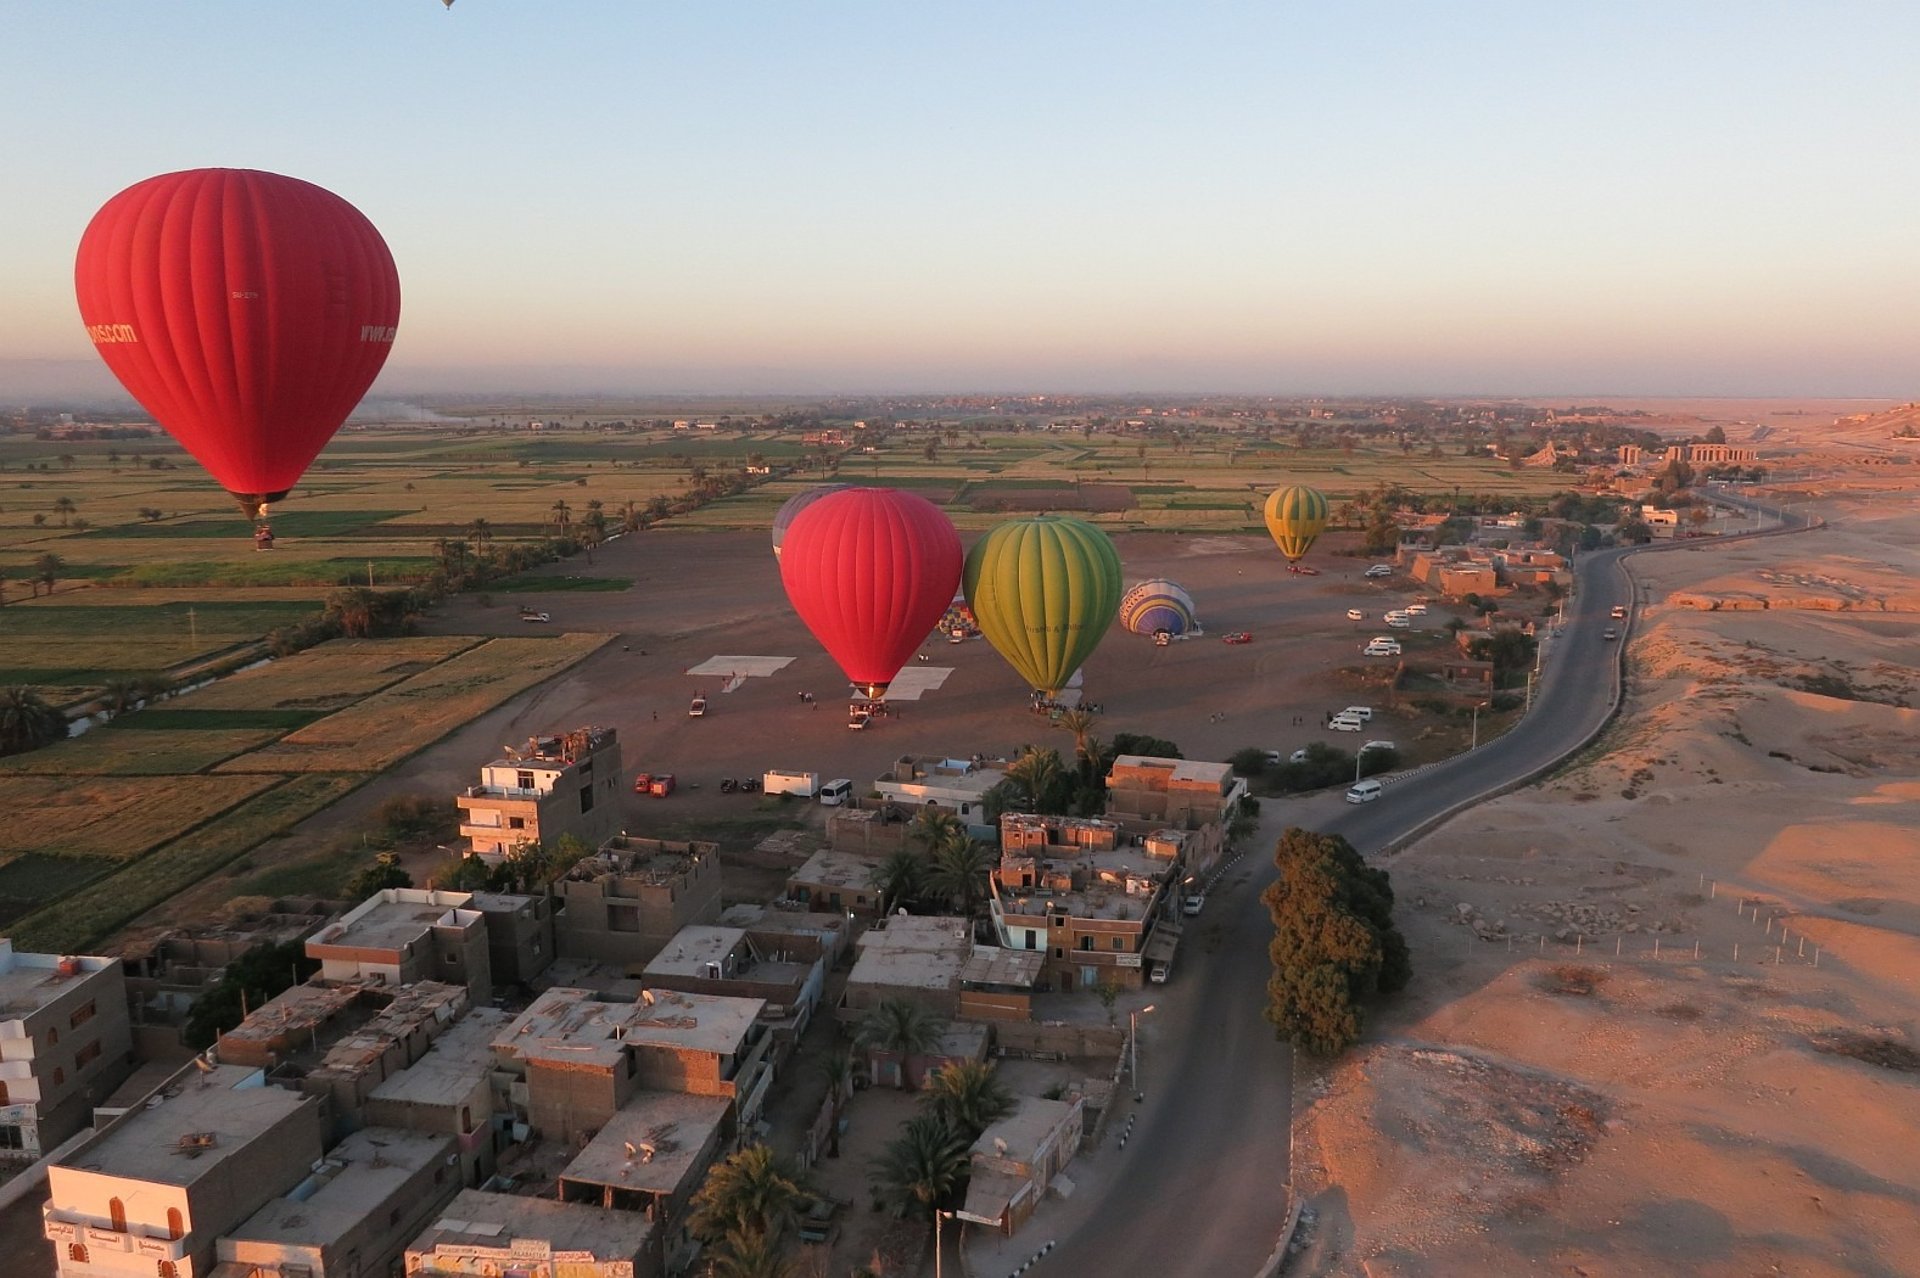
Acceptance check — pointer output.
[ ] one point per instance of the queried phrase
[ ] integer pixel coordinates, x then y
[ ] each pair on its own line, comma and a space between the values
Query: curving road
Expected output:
1203, 1188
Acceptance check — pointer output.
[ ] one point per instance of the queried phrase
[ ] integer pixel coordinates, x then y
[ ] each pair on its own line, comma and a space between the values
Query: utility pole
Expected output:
369, 574
193, 628
1133, 1048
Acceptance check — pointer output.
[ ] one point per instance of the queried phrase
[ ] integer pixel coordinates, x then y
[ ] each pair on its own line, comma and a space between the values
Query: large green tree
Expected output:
752, 1191
1335, 944
924, 1168
968, 1097
896, 1025
27, 722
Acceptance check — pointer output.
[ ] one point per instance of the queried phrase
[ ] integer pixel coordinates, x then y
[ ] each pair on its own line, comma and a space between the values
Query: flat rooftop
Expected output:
362, 1173
693, 948
391, 921
668, 1132
420, 1004
232, 1103
458, 1058
830, 927
836, 870
28, 982
1034, 1118
914, 952
996, 965
476, 1218
573, 1026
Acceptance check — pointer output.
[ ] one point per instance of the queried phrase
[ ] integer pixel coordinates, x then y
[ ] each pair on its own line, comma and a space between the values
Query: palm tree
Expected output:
47, 569
752, 1191
922, 1169
936, 828
1080, 723
63, 507
897, 879
481, 531
27, 722
1039, 775
896, 1025
968, 1098
959, 872
750, 1253
562, 514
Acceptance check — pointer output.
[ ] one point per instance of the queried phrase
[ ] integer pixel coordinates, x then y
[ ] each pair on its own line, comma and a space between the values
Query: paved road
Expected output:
1202, 1190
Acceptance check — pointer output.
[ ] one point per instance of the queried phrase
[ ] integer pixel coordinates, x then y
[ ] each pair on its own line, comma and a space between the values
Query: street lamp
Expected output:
1133, 1048
938, 1216
1477, 706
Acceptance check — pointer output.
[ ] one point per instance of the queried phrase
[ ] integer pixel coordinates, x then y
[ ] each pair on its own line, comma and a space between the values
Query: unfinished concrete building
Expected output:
455, 1090
520, 936
402, 935
485, 1235
650, 1158
621, 905
64, 1045
551, 788
786, 971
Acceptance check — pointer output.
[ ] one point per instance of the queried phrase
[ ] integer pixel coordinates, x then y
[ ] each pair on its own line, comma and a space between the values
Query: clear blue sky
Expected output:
1289, 195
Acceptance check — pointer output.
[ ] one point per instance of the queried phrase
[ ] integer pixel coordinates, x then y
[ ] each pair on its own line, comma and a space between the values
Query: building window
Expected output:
117, 1215
524, 780
53, 1035
167, 1269
10, 1137
1086, 942
3, 1092
1033, 938
77, 1253
85, 1054
586, 798
516, 823
176, 1223
1119, 943
81, 1015
59, 1076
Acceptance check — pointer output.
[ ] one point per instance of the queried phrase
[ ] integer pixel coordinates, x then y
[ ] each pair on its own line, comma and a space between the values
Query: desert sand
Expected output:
1555, 1096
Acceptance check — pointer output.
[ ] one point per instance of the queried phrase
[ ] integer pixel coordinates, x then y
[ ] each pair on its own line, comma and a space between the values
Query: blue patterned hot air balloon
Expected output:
1153, 606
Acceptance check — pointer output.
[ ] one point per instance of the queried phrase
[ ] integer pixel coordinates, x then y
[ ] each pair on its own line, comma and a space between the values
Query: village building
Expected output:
650, 1158
402, 935
918, 958
65, 1044
831, 931
485, 1235
836, 881
1018, 1158
1089, 912
958, 786
554, 787
161, 1184
450, 1092
787, 971
353, 1214
578, 1059
520, 936
627, 900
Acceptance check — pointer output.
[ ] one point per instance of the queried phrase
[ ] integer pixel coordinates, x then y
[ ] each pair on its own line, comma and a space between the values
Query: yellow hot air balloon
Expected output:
1295, 516
1044, 590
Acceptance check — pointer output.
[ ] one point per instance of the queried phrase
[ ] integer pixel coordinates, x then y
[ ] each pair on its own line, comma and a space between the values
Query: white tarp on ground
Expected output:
914, 680
746, 667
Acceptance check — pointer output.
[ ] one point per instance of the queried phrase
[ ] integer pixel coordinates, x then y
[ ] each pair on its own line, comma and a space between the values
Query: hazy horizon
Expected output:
1498, 199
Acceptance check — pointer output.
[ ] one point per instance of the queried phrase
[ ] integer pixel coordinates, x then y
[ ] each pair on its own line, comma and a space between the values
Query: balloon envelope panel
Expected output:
870, 570
247, 311
1295, 516
1158, 605
1044, 591
784, 517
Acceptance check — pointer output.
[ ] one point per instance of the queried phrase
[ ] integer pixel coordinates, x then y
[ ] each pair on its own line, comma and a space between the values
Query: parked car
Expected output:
698, 708
1364, 791
859, 719
1298, 756
1381, 647
643, 783
661, 785
1380, 570
1362, 713
1237, 636
1416, 609
1345, 723
1354, 614
1194, 903
1376, 745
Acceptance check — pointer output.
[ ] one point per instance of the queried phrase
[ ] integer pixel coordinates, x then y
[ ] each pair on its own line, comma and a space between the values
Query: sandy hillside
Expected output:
1554, 1097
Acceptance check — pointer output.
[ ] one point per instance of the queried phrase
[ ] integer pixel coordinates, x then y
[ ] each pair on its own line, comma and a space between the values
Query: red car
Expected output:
643, 784
1237, 636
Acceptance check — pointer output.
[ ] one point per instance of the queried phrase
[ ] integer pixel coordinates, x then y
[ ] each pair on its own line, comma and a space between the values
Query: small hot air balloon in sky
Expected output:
1044, 591
248, 312
1153, 606
870, 570
783, 518
1295, 516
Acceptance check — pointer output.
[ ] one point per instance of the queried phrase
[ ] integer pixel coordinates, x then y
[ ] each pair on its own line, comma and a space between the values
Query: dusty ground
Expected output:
1554, 1097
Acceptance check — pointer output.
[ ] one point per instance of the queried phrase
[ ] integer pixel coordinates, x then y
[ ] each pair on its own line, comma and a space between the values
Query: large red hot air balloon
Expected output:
870, 570
248, 312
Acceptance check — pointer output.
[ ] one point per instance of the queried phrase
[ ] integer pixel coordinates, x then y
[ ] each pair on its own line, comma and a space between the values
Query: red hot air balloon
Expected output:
248, 312
870, 570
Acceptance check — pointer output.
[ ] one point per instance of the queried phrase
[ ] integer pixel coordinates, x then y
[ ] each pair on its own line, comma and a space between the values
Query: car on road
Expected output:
1380, 570
1362, 713
1398, 620
697, 709
1610, 633
1381, 647
1194, 903
534, 616
1376, 745
1346, 723
1619, 612
1416, 609
1237, 636
1354, 614
1364, 791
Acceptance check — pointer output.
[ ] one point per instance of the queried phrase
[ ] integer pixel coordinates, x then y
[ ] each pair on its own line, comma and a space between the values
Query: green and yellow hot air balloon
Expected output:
1044, 590
1295, 516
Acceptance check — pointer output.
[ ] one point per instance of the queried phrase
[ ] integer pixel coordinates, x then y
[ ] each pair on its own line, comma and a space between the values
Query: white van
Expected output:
836, 792
1364, 791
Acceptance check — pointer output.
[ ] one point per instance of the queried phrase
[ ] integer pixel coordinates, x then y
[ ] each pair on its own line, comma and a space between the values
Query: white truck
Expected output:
804, 784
